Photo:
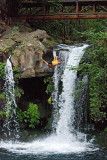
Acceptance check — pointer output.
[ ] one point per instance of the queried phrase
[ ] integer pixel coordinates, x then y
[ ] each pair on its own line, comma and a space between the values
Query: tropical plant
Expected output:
50, 85
96, 68
30, 116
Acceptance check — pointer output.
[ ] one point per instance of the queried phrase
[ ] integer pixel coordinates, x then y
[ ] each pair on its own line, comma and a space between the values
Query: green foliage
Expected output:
22, 42
2, 96
20, 115
96, 68
13, 52
50, 43
50, 85
50, 100
14, 32
16, 71
70, 29
18, 92
105, 130
2, 114
53, 27
2, 70
30, 116
15, 28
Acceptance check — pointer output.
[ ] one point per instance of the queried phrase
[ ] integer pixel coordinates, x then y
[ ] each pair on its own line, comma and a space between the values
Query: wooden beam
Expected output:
63, 14
58, 17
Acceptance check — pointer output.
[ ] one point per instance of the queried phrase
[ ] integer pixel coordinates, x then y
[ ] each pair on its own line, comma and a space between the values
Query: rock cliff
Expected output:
26, 49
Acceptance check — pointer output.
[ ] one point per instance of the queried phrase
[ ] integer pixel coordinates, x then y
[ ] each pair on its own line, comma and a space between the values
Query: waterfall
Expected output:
64, 103
57, 80
65, 138
11, 126
81, 103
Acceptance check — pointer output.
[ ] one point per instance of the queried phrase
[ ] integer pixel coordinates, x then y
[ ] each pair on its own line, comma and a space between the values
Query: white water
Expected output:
56, 79
65, 139
66, 99
11, 126
81, 103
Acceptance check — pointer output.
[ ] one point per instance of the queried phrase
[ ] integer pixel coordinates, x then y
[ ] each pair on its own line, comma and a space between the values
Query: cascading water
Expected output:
64, 139
81, 103
65, 124
57, 80
11, 126
64, 119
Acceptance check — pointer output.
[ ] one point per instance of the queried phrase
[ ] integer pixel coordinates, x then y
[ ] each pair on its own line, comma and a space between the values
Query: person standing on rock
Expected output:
54, 63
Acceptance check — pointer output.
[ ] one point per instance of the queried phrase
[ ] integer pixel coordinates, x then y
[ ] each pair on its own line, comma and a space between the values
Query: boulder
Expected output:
27, 49
27, 55
6, 45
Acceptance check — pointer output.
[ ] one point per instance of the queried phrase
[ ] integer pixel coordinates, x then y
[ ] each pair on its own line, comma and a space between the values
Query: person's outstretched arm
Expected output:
44, 61
60, 61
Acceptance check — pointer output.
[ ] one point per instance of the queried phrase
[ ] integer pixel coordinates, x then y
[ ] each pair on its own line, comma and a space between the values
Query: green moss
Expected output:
102, 139
51, 43
15, 28
2, 70
13, 52
6, 45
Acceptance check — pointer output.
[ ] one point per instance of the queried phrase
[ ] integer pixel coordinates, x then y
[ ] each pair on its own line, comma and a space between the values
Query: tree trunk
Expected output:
12, 7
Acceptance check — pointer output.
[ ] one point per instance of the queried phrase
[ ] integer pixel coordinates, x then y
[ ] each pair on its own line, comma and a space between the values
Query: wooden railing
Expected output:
65, 9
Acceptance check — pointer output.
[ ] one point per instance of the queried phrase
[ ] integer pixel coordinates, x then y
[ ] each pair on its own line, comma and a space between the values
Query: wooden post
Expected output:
94, 8
77, 8
44, 10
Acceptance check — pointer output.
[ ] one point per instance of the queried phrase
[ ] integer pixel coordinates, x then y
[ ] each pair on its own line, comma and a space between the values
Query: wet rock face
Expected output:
27, 56
27, 49
2, 101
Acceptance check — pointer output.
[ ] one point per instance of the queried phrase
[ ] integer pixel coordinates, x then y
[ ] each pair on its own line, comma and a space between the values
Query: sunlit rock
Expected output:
27, 55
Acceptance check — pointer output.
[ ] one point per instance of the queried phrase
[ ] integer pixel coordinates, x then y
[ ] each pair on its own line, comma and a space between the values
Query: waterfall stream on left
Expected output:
11, 126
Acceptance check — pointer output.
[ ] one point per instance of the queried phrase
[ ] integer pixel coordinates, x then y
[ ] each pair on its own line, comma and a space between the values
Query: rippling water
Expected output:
51, 148
93, 155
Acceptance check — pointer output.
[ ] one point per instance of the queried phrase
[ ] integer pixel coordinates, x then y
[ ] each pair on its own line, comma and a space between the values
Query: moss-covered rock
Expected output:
102, 138
6, 45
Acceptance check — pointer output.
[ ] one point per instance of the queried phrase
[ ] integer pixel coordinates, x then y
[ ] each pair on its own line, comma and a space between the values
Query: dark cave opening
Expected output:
34, 88
35, 92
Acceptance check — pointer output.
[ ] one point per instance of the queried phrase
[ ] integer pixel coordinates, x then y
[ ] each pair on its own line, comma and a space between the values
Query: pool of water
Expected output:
93, 155
51, 148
